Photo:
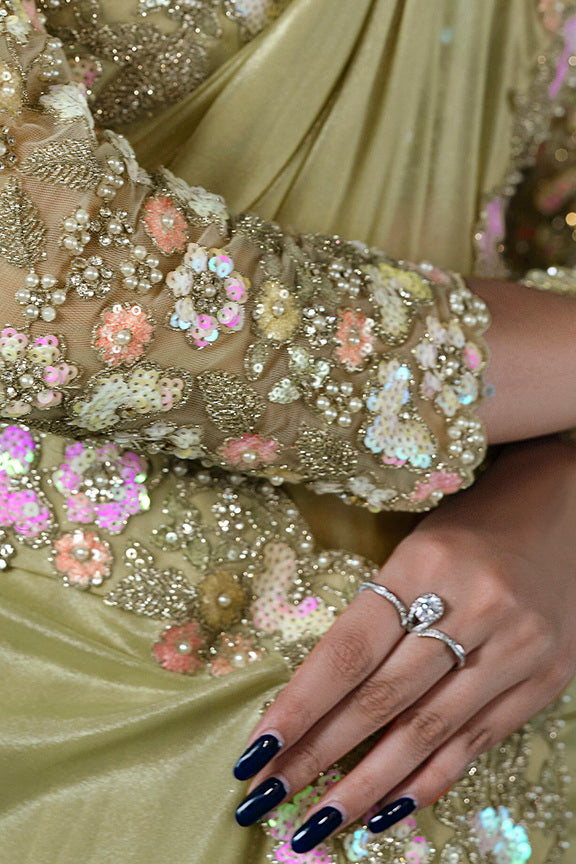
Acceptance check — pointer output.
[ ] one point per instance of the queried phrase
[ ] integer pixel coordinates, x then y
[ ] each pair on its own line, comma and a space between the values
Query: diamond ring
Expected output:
391, 597
454, 646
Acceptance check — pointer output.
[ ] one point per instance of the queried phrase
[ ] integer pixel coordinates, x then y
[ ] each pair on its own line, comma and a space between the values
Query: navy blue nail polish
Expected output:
256, 756
263, 798
316, 828
391, 814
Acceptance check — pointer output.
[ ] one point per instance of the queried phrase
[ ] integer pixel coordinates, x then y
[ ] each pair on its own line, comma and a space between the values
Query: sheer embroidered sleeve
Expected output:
139, 308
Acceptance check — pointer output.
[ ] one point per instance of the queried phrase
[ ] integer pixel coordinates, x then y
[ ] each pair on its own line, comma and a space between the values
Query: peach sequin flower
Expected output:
233, 652
439, 482
82, 558
179, 648
249, 451
165, 224
354, 339
124, 333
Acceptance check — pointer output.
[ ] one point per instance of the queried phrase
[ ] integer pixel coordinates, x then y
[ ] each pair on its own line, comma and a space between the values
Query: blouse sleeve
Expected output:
139, 308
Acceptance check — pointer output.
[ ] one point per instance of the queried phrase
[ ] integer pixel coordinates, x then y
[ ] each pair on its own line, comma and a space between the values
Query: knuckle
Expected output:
534, 634
558, 672
428, 730
350, 655
377, 699
478, 740
308, 760
290, 715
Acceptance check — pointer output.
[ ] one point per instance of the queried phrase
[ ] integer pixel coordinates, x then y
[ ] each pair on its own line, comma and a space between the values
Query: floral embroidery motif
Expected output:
498, 834
34, 373
180, 648
232, 405
70, 163
124, 333
249, 451
210, 295
140, 271
277, 312
354, 339
231, 652
399, 440
221, 599
439, 483
449, 361
23, 507
397, 293
90, 277
41, 296
83, 559
104, 485
202, 207
165, 224
273, 609
144, 389
68, 103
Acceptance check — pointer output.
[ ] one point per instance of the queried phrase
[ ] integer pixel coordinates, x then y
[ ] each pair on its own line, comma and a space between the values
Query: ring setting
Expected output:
426, 610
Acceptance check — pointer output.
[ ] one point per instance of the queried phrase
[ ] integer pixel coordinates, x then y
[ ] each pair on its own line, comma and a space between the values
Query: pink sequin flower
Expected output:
249, 451
32, 373
354, 339
443, 482
233, 652
22, 505
82, 558
165, 224
123, 334
105, 485
180, 647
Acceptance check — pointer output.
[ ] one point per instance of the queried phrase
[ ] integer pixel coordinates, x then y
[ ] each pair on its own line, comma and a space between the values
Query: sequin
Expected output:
35, 373
23, 506
165, 224
273, 608
104, 485
82, 558
354, 339
399, 440
180, 647
210, 295
249, 451
498, 834
124, 333
277, 313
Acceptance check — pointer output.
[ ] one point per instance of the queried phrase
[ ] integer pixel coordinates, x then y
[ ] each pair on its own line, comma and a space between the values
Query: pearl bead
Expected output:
184, 648
152, 261
355, 404
330, 414
70, 224
81, 553
224, 600
91, 274
131, 282
32, 313
22, 295
82, 217
249, 457
155, 277
322, 403
127, 268
167, 222
32, 280
3, 149
346, 388
58, 297
278, 310
171, 538
123, 337
139, 253
144, 285
26, 381
48, 282
48, 313
344, 420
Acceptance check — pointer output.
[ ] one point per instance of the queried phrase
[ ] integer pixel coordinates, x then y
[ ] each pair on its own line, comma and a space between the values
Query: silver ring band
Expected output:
391, 597
454, 646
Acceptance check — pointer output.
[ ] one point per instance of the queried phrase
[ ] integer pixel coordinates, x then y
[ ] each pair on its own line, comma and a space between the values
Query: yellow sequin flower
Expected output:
277, 312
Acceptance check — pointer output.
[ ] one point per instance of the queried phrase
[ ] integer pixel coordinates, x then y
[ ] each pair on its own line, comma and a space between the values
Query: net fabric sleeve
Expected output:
139, 308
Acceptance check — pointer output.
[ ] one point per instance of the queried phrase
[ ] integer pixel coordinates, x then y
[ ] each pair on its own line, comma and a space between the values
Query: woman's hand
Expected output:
503, 559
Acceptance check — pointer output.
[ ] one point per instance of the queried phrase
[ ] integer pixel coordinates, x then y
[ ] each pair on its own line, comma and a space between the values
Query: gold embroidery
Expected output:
23, 233
70, 163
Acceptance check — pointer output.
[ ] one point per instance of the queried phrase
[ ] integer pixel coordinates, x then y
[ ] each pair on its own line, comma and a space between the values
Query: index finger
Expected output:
354, 646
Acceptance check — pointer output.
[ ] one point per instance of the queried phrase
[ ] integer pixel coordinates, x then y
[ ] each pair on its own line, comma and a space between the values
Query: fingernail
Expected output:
263, 798
391, 814
316, 828
256, 756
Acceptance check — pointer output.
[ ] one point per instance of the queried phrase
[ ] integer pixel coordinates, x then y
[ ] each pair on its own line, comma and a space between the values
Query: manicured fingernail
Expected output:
256, 756
316, 828
263, 798
391, 814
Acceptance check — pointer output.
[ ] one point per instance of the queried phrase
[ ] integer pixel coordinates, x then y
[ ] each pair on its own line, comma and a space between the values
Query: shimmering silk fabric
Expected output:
383, 120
